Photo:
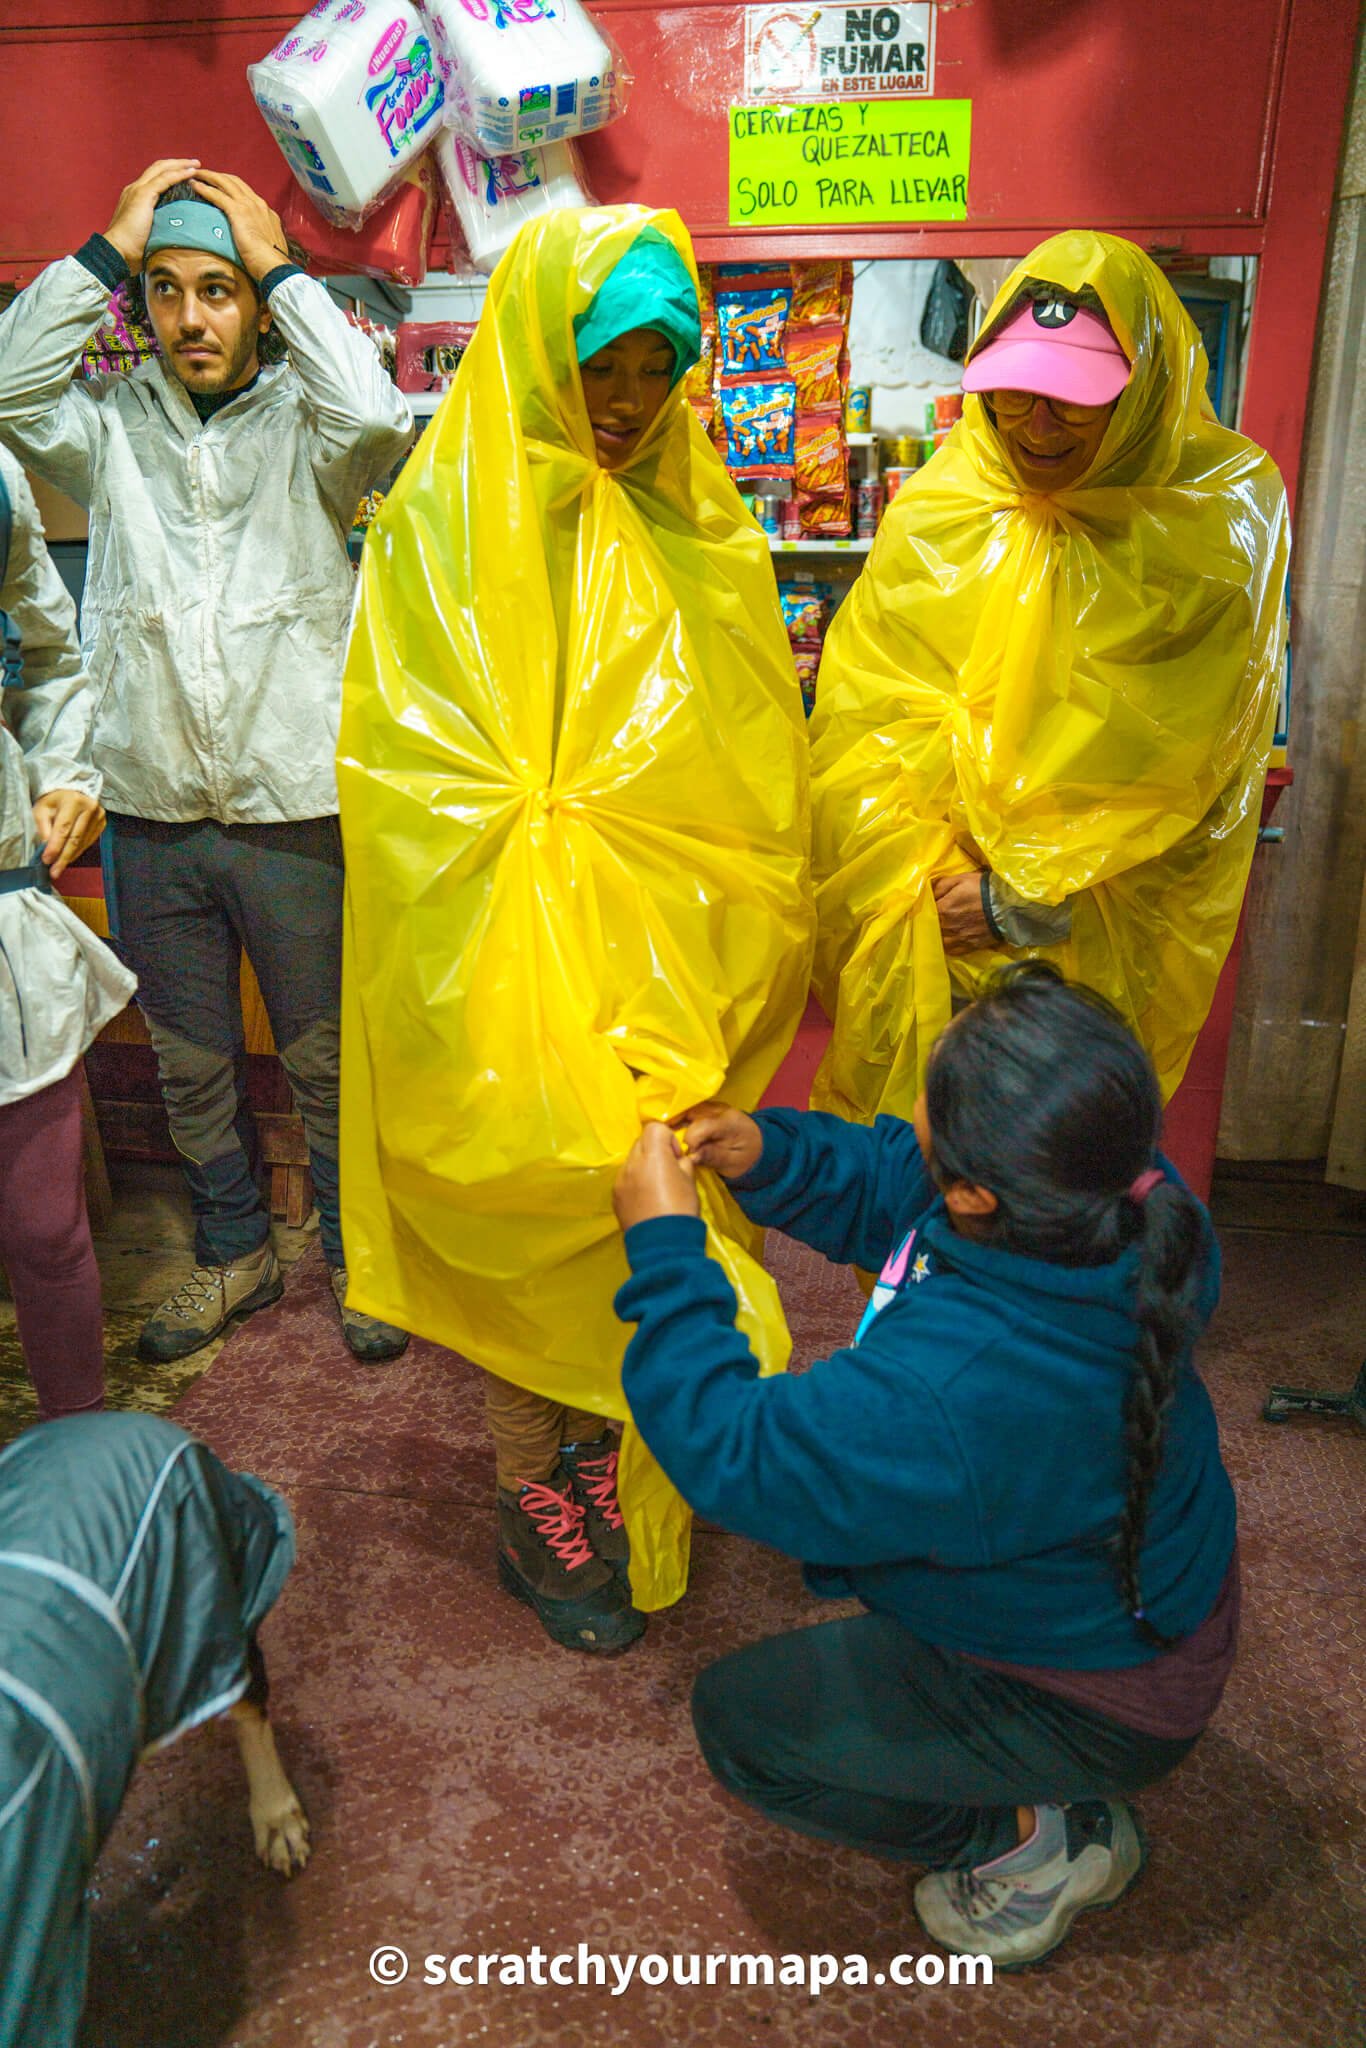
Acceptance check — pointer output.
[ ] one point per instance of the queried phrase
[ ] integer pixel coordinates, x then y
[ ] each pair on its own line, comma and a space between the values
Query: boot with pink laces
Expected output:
592, 1469
545, 1558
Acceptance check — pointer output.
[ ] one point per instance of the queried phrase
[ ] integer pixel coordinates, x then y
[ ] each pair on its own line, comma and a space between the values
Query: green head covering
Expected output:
192, 224
650, 287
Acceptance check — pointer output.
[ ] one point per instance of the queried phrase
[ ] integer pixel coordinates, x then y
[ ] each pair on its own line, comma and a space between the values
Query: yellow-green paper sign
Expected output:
834, 161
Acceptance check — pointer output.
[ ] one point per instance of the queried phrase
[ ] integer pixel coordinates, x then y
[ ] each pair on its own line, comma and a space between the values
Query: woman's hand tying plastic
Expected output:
725, 1139
656, 1179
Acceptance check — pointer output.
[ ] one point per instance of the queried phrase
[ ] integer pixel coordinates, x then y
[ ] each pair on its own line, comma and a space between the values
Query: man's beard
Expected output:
219, 373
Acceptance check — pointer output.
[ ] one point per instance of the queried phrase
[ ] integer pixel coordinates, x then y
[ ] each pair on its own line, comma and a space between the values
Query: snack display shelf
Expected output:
818, 547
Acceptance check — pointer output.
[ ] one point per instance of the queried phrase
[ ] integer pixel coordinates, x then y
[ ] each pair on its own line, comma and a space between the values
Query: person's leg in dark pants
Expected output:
284, 886
46, 1250
857, 1732
170, 926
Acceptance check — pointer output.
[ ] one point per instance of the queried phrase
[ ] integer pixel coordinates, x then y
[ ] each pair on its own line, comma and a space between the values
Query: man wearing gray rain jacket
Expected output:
221, 487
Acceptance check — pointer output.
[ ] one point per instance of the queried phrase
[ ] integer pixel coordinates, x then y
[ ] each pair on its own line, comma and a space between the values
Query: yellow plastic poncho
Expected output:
574, 803
1074, 690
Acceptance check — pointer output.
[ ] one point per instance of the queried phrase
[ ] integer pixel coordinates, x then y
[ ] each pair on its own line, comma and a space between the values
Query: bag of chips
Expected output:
751, 326
824, 518
808, 663
821, 294
814, 364
698, 382
821, 463
804, 612
761, 423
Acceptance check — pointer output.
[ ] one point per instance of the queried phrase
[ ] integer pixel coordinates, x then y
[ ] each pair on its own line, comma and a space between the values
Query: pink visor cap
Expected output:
1055, 349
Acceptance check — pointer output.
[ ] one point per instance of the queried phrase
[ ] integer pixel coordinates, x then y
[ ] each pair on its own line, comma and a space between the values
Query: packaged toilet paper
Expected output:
492, 197
351, 95
523, 73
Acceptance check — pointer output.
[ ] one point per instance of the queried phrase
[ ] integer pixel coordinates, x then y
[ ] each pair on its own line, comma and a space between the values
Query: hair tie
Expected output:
1140, 1189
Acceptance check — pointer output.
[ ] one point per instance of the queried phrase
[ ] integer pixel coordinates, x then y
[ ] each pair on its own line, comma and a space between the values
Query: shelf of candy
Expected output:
807, 608
699, 385
771, 388
123, 341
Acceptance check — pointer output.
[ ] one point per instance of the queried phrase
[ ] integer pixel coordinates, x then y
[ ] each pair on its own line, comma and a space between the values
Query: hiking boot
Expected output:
204, 1304
1018, 1908
546, 1559
367, 1338
592, 1469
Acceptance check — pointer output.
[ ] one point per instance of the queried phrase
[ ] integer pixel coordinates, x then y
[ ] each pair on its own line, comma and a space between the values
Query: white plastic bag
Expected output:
520, 74
351, 95
492, 197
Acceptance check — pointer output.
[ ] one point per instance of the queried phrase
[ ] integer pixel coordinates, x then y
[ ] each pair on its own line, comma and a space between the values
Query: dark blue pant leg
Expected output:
859, 1733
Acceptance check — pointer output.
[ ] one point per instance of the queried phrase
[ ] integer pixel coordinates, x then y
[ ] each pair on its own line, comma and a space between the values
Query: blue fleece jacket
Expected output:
962, 1465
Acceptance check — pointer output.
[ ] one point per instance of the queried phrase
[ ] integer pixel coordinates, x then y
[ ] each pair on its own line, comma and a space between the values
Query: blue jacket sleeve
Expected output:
798, 1461
845, 1189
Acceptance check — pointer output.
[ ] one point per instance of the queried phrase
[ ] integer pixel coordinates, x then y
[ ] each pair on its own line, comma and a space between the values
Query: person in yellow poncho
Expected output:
1043, 716
574, 804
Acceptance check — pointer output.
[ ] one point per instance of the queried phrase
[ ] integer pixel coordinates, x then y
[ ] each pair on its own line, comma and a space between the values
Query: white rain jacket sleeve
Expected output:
218, 587
50, 717
59, 984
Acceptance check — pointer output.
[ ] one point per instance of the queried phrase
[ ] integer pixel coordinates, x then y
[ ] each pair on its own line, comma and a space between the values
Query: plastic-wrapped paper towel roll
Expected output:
351, 95
492, 197
523, 73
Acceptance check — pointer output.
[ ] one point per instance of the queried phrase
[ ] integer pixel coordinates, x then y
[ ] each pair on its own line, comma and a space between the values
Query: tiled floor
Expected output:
144, 1254
473, 1789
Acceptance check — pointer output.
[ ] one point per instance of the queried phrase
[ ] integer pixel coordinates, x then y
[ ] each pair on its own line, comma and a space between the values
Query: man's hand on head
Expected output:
132, 222
257, 231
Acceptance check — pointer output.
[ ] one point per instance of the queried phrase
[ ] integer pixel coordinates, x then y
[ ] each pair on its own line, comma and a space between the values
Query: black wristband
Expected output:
103, 261
278, 276
987, 911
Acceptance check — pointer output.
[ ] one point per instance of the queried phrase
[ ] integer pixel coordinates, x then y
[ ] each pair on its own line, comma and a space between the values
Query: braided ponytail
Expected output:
1168, 1270
1040, 1092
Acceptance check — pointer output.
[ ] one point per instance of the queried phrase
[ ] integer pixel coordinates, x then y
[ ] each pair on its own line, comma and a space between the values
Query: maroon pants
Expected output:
46, 1250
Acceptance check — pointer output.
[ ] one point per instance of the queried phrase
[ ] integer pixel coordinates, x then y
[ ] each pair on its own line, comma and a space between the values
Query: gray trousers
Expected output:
184, 903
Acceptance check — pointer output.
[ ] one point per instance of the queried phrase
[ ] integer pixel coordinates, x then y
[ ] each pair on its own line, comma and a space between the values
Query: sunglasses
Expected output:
1018, 405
